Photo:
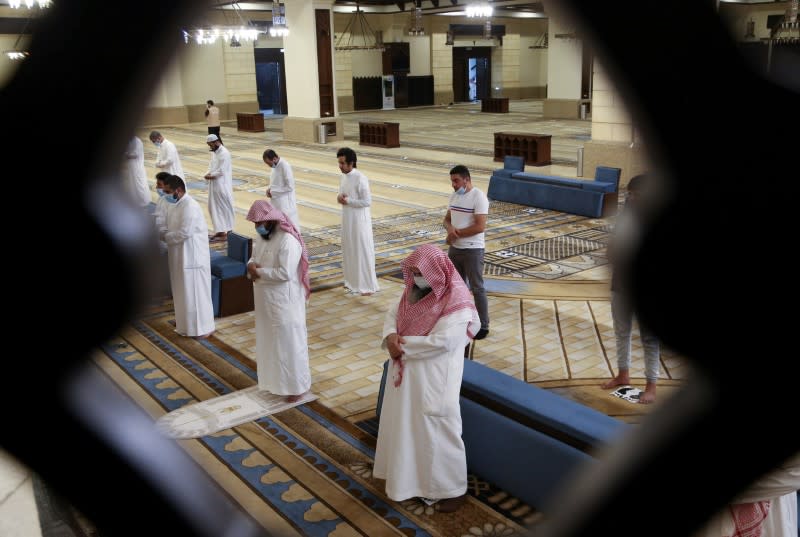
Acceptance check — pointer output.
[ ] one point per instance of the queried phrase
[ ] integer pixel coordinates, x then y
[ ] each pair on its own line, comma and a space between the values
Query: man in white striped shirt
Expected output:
465, 223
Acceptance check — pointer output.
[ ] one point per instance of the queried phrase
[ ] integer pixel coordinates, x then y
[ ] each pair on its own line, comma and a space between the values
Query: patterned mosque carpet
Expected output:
303, 471
523, 243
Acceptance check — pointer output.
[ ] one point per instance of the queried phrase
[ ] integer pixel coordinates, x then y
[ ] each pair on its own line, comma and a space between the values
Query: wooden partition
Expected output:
379, 134
247, 122
420, 90
534, 148
367, 93
496, 105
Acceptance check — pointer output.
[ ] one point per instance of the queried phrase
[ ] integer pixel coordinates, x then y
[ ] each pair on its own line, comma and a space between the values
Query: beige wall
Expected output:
200, 68
300, 54
533, 62
366, 62
419, 50
563, 64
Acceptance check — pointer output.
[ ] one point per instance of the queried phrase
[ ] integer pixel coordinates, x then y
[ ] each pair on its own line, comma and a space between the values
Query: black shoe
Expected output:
482, 333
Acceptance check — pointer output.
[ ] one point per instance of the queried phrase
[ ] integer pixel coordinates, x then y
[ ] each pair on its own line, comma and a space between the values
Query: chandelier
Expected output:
416, 23
279, 27
359, 27
30, 4
235, 34
479, 10
209, 36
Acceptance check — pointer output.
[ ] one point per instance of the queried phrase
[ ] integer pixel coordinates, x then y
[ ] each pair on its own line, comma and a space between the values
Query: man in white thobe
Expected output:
281, 186
189, 261
279, 270
358, 247
167, 159
419, 450
768, 508
133, 173
220, 188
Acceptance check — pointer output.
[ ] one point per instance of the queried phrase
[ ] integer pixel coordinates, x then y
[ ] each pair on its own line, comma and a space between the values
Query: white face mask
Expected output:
421, 282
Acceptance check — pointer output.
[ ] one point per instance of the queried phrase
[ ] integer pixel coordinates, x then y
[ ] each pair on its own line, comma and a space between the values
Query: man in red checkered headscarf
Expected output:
768, 508
279, 270
420, 452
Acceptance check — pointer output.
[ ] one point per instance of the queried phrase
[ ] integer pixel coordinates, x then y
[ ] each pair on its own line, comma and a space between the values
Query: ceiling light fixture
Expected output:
479, 10
416, 23
279, 27
357, 27
229, 33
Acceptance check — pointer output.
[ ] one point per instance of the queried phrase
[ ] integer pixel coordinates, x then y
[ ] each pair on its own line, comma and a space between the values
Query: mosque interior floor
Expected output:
546, 271
546, 275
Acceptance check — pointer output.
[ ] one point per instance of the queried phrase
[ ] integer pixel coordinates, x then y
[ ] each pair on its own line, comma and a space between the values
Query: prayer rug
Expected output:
628, 394
303, 471
226, 411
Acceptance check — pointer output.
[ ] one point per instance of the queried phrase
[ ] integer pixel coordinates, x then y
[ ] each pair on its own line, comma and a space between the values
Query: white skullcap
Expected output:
211, 138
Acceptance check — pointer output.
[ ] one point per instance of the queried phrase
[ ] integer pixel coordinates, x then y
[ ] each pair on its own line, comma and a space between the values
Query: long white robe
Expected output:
134, 175
220, 190
780, 487
168, 160
419, 450
280, 308
189, 268
358, 247
281, 187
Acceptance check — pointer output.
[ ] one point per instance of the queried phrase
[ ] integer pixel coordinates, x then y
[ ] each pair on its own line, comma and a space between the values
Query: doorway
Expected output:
271, 81
472, 78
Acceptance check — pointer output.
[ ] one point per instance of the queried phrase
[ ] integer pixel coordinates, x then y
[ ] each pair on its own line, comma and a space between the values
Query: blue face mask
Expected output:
264, 231
157, 144
171, 198
461, 191
160, 192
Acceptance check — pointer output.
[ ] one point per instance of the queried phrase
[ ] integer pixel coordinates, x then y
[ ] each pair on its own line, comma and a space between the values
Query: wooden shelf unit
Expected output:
247, 122
383, 134
534, 148
495, 105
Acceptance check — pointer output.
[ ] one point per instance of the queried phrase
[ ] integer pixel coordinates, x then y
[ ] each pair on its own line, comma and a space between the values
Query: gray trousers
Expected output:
469, 264
622, 316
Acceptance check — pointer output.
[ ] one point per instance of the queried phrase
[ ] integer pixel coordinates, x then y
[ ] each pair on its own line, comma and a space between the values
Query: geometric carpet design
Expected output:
303, 471
521, 242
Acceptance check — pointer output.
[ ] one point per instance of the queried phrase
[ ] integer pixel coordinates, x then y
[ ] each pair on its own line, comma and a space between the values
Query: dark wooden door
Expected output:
324, 62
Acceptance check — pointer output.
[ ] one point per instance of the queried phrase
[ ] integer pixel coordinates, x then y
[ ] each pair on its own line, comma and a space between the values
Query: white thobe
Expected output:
133, 173
280, 310
281, 187
358, 247
220, 190
189, 268
168, 160
780, 487
420, 451
160, 214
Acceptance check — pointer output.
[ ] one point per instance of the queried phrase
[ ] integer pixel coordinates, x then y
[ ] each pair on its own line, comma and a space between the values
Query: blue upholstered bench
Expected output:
522, 438
231, 290
595, 198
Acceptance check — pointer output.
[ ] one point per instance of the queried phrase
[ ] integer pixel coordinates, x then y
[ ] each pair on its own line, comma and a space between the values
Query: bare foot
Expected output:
293, 398
649, 394
366, 294
622, 379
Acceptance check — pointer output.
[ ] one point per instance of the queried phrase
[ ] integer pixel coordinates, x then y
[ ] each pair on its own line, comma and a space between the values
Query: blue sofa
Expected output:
522, 438
595, 198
